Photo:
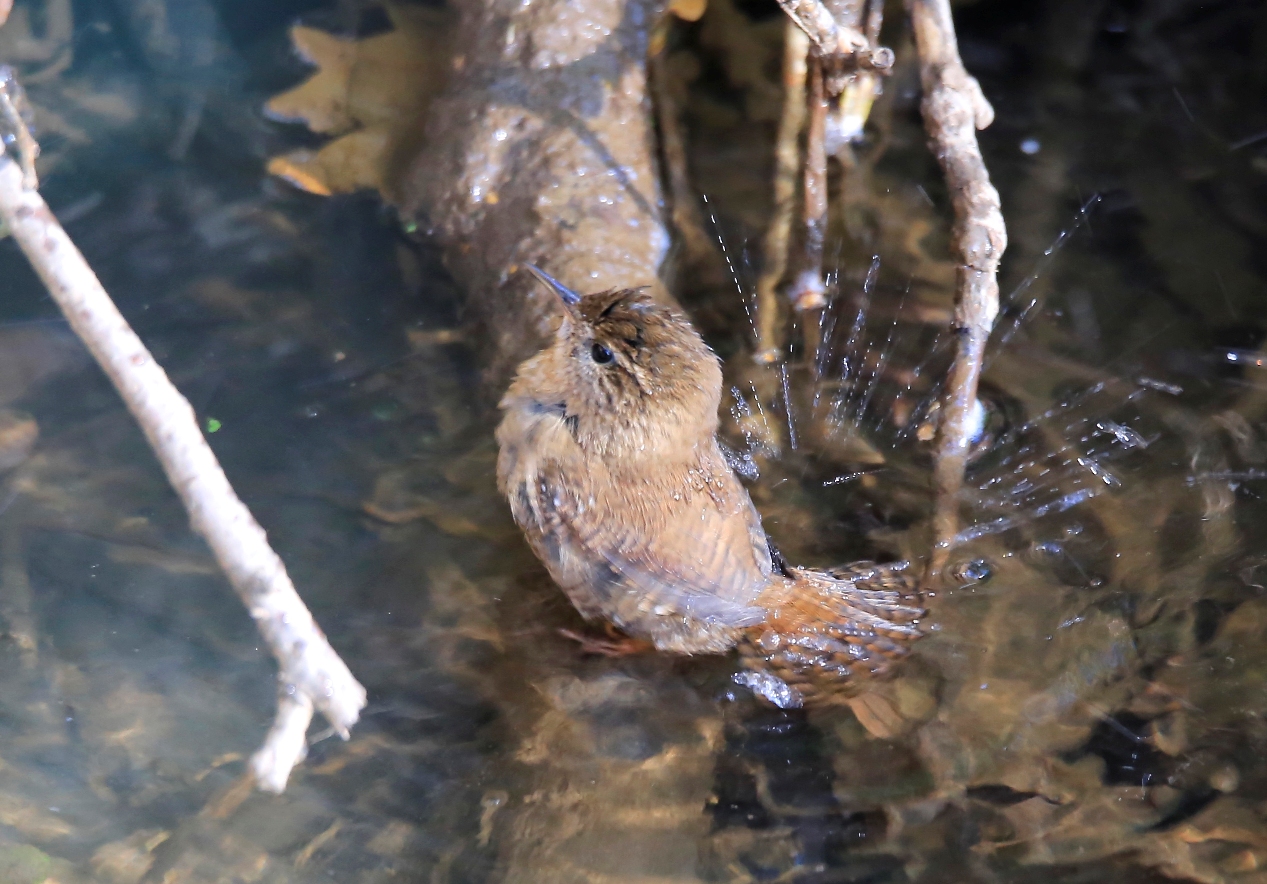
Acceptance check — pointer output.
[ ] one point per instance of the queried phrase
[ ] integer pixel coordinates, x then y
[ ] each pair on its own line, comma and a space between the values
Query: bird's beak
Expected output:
566, 295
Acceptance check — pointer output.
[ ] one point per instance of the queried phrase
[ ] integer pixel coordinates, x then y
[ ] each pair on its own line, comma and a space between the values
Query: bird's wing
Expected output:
689, 556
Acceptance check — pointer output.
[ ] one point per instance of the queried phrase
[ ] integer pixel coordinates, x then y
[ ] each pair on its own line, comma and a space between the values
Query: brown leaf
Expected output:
322, 100
372, 93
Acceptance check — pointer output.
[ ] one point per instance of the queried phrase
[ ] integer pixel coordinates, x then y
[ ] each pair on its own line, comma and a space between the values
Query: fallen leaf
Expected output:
354, 161
321, 101
292, 168
372, 94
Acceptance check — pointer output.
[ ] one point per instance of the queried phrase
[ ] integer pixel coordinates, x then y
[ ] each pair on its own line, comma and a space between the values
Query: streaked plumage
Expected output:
610, 462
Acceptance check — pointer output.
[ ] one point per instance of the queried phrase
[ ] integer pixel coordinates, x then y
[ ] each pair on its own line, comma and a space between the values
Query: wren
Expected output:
608, 455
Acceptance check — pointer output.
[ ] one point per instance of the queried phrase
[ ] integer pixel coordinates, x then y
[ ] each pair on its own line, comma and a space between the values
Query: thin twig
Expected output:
848, 13
816, 20
954, 109
11, 107
853, 86
845, 49
310, 674
808, 291
787, 165
874, 21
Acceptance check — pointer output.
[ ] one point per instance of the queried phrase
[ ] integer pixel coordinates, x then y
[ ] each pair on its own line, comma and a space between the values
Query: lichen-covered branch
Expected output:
311, 673
954, 109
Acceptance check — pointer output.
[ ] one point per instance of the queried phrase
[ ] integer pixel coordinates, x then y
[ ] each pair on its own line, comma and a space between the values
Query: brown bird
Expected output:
610, 461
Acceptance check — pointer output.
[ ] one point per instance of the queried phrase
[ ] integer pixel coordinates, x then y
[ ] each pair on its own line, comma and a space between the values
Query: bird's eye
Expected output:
601, 354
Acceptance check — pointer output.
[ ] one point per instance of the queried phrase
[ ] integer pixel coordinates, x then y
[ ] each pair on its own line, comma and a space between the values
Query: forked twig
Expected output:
816, 20
859, 91
845, 49
954, 108
310, 674
841, 74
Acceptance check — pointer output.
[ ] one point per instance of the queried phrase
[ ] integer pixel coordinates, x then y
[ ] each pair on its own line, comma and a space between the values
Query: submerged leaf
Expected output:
372, 93
321, 101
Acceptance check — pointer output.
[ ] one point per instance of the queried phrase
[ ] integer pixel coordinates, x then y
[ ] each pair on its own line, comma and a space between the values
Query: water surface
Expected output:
1089, 708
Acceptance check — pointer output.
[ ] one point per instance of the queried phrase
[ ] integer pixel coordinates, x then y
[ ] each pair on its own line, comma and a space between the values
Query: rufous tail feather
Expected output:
825, 630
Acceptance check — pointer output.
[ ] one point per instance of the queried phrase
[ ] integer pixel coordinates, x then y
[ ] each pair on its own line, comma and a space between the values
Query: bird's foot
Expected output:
615, 645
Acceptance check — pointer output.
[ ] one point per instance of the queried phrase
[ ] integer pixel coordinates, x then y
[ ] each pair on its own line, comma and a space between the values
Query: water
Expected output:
1089, 708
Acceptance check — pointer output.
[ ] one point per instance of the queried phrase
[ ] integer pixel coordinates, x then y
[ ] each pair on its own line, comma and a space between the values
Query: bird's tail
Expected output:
826, 629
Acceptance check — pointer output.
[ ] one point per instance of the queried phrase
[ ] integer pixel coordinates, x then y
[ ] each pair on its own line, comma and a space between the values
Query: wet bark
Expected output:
954, 109
543, 153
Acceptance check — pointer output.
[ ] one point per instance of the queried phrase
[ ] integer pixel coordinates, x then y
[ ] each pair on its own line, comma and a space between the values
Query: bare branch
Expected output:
857, 89
787, 164
844, 48
954, 108
874, 21
808, 291
311, 673
285, 746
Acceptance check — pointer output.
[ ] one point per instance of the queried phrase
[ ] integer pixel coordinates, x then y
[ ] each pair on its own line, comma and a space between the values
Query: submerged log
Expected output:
542, 150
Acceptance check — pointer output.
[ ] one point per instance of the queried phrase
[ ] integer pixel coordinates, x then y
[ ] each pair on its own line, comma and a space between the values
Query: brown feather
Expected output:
610, 462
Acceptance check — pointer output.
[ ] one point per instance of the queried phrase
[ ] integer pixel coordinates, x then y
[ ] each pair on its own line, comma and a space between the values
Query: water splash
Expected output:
864, 385
1003, 334
787, 405
855, 350
745, 297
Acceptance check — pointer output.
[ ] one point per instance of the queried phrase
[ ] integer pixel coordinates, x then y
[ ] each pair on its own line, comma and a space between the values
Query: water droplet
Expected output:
971, 572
